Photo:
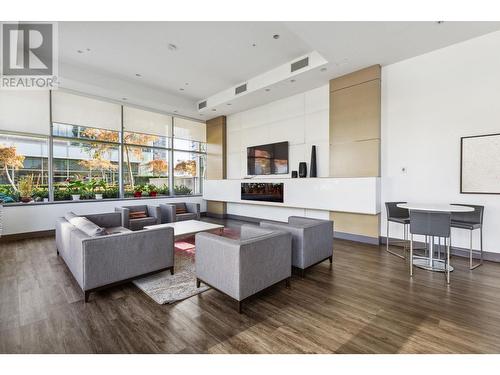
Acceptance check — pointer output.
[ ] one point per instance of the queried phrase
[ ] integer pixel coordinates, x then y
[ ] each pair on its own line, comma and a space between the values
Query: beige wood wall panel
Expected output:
216, 148
364, 75
360, 224
355, 159
216, 159
215, 207
355, 113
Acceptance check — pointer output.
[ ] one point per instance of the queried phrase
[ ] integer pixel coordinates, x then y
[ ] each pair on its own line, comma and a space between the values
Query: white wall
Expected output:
34, 217
302, 120
428, 103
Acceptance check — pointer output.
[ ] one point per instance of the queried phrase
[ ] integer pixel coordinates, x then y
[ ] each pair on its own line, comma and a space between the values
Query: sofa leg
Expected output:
239, 307
331, 259
87, 295
198, 282
302, 272
57, 251
287, 282
172, 270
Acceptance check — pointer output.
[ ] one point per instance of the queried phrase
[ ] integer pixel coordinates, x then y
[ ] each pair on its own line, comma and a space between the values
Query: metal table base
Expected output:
430, 263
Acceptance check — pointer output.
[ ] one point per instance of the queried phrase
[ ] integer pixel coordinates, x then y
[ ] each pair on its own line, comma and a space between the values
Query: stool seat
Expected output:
465, 225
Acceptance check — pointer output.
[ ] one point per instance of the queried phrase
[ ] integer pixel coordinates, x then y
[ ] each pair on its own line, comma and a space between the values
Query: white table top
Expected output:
435, 207
182, 228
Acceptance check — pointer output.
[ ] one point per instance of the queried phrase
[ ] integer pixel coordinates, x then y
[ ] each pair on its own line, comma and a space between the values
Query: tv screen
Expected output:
268, 159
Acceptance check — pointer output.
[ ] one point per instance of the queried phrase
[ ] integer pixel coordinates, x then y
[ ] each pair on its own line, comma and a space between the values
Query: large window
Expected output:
96, 150
23, 160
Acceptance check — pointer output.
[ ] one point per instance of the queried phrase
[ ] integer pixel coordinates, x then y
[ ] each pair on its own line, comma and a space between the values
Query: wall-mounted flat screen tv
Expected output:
267, 159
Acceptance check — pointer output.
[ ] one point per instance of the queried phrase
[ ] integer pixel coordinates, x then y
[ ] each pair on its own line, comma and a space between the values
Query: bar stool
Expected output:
432, 224
470, 221
399, 216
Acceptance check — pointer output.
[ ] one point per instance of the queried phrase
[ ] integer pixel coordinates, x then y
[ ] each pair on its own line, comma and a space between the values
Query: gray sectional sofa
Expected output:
312, 240
101, 253
241, 268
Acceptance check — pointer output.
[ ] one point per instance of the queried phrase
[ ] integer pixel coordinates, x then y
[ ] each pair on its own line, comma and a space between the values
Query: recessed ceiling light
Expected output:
79, 51
268, 90
254, 45
228, 104
201, 115
181, 89
172, 47
88, 49
213, 110
176, 111
439, 22
292, 80
187, 83
323, 69
124, 99
138, 75
276, 36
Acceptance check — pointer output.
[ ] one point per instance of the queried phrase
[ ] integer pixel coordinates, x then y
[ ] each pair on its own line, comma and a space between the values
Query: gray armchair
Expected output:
241, 268
172, 212
312, 240
153, 216
100, 253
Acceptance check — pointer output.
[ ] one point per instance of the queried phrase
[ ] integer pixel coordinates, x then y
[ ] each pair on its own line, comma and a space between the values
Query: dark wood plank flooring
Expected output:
365, 303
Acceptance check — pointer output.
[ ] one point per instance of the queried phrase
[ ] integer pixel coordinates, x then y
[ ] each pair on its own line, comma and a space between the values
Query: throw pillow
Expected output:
137, 215
85, 225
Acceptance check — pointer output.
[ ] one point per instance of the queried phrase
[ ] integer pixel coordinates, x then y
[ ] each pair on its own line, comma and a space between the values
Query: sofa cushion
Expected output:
137, 214
117, 230
186, 216
180, 208
85, 225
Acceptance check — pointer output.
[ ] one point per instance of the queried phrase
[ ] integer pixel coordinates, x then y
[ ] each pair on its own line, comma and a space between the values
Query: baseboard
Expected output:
28, 235
215, 216
356, 238
243, 218
455, 250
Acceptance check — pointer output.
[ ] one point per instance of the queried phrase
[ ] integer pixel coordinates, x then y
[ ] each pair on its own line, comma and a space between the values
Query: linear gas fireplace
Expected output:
262, 191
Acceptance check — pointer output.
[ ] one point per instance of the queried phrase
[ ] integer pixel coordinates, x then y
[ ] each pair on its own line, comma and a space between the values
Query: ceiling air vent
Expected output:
300, 64
240, 89
202, 104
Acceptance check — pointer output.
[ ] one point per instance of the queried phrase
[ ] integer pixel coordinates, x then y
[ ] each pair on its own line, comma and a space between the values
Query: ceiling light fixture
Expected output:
276, 36
172, 47
213, 110
175, 111
323, 69
292, 80
228, 104
181, 89
439, 22
254, 45
79, 51
124, 99
268, 90
138, 75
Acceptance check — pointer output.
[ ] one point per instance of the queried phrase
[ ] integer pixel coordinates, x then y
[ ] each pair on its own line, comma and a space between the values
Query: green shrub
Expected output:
182, 190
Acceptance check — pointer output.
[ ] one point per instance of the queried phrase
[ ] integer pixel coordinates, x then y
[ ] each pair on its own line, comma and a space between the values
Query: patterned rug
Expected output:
165, 288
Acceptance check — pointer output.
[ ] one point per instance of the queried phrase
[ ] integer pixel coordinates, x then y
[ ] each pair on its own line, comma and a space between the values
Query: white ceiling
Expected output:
213, 56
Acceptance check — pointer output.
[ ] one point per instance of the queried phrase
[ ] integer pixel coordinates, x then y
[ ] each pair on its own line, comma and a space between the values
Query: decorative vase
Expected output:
98, 196
153, 194
137, 194
302, 169
25, 199
75, 197
313, 172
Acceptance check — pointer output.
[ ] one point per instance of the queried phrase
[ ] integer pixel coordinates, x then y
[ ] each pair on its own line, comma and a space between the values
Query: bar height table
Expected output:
429, 262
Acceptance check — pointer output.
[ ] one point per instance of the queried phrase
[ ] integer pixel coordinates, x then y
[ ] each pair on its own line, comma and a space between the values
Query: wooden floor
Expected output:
365, 303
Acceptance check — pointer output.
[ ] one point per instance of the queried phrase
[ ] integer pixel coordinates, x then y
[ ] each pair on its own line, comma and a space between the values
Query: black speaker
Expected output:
313, 172
302, 169
294, 174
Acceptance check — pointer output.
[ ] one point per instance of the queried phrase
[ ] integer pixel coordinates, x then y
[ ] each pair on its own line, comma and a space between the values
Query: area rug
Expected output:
165, 288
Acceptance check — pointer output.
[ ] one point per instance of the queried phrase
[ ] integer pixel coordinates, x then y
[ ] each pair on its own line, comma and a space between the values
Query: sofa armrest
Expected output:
118, 257
107, 220
264, 262
217, 262
125, 216
167, 212
193, 208
249, 231
154, 211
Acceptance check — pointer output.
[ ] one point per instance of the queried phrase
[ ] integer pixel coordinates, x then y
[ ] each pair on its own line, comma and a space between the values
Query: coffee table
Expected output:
188, 227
